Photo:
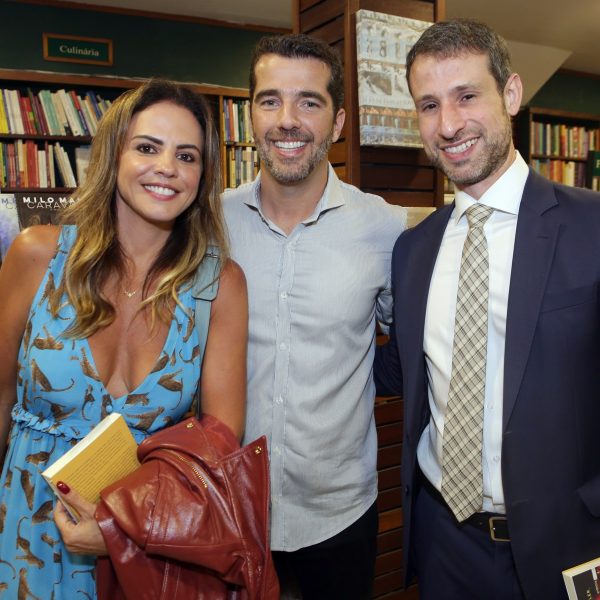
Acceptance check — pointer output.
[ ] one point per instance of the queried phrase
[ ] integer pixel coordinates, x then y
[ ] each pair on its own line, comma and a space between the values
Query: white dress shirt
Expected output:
313, 297
505, 197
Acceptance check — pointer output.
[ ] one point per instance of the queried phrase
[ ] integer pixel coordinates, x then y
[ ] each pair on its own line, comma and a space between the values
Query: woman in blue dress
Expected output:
97, 316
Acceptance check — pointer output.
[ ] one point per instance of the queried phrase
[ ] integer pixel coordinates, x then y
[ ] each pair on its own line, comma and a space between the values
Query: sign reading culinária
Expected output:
70, 48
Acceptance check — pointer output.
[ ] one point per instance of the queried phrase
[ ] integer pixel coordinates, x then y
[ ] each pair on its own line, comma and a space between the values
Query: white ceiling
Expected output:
569, 26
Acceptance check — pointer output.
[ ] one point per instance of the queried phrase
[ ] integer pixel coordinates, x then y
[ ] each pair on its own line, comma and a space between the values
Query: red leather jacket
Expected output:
192, 522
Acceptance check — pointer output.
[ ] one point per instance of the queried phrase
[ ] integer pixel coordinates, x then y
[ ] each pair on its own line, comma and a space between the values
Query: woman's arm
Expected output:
223, 378
21, 273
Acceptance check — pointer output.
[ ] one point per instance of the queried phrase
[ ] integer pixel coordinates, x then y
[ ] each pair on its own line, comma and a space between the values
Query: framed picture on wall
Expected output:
386, 110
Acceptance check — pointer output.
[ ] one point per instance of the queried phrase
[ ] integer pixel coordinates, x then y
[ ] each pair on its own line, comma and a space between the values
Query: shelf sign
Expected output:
75, 49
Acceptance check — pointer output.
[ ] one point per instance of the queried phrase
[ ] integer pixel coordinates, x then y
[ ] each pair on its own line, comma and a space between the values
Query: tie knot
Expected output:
478, 214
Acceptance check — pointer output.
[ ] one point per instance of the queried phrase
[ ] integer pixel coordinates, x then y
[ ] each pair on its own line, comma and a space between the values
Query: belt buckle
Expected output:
496, 538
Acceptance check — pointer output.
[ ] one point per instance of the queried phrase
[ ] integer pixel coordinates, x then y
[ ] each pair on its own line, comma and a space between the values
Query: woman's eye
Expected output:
146, 148
186, 157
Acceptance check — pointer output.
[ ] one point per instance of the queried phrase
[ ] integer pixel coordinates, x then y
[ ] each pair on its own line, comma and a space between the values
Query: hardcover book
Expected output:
105, 455
583, 581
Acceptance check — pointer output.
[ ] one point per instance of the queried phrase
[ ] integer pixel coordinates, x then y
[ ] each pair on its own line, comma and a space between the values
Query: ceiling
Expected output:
571, 27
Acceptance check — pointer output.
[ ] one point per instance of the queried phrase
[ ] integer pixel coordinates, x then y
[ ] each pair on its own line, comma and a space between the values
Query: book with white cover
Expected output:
583, 581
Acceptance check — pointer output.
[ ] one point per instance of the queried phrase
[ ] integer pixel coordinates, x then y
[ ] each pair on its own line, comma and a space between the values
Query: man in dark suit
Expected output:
501, 452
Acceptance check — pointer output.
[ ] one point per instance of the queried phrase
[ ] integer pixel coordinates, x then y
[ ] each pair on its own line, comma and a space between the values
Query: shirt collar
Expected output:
332, 196
504, 195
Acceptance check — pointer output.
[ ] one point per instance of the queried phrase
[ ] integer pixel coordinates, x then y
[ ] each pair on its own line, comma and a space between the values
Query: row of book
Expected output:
563, 171
562, 140
236, 121
61, 112
27, 165
241, 164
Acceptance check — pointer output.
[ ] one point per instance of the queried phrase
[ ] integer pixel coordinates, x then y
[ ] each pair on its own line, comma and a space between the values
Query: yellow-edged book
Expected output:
105, 455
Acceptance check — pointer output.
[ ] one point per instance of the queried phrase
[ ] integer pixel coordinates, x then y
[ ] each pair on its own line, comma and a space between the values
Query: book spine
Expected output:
63, 123
3, 120
16, 111
79, 113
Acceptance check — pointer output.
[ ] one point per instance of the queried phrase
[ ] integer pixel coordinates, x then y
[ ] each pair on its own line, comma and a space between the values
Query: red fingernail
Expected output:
63, 488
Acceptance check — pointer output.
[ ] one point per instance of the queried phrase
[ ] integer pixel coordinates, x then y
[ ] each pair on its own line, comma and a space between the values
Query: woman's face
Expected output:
160, 166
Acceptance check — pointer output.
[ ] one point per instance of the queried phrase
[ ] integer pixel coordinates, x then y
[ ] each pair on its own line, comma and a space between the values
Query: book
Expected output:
105, 455
82, 161
40, 208
9, 222
583, 581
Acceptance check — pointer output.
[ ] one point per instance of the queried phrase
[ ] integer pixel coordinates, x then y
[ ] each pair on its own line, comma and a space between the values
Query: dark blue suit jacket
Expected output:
551, 418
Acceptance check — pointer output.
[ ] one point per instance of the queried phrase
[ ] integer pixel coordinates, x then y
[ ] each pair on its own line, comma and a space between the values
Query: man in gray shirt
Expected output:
316, 254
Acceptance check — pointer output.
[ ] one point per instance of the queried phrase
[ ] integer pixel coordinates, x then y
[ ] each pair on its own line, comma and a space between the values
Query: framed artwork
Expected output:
386, 110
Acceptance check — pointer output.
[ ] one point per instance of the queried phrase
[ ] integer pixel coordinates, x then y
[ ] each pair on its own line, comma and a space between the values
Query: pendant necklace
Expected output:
130, 294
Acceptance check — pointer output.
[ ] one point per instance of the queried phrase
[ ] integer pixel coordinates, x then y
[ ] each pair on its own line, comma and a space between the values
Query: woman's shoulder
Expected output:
232, 276
36, 245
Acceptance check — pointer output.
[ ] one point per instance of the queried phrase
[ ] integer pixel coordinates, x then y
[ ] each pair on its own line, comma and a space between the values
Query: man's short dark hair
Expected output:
448, 39
299, 45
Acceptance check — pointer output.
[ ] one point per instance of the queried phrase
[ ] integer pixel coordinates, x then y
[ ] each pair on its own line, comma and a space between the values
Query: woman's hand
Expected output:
85, 536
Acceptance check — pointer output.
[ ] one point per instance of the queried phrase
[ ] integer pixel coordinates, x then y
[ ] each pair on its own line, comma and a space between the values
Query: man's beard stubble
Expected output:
290, 173
497, 147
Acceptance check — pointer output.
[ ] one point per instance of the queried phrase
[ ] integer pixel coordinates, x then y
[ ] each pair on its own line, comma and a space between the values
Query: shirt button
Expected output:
283, 295
279, 400
496, 459
277, 450
109, 409
282, 346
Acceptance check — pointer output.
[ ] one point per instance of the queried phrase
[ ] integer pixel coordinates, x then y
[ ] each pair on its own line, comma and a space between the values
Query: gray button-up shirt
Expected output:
314, 296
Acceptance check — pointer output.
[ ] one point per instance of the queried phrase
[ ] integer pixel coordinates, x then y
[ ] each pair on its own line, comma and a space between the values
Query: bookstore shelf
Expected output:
43, 149
557, 143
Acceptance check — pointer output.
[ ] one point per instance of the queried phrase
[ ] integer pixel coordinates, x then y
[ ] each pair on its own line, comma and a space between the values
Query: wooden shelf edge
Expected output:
58, 78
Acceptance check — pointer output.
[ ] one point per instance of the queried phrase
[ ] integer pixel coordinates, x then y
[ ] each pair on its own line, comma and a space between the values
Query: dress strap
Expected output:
204, 291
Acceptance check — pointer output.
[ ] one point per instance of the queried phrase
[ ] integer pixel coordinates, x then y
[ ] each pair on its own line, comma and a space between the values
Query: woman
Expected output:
97, 316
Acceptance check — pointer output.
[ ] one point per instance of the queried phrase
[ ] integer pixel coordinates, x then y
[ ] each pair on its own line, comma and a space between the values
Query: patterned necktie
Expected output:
462, 479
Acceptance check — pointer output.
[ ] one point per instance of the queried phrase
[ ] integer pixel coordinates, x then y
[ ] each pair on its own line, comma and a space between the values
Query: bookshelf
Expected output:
38, 137
239, 155
556, 143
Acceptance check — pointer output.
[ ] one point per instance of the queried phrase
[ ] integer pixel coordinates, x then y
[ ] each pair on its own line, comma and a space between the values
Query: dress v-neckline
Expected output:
163, 351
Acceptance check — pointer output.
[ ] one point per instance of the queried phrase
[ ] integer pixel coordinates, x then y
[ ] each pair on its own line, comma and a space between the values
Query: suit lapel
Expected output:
535, 243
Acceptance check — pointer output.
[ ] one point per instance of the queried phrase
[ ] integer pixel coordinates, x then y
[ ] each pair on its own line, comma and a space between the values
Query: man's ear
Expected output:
513, 93
338, 123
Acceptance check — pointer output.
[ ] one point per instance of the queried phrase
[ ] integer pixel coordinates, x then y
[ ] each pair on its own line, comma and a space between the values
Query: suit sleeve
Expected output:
387, 366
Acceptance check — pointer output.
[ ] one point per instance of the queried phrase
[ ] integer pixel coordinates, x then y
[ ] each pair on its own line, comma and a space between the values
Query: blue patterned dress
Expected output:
59, 399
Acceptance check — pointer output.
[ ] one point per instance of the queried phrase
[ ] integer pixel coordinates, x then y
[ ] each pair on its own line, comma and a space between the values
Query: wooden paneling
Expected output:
388, 416
397, 177
386, 542
332, 32
319, 14
388, 562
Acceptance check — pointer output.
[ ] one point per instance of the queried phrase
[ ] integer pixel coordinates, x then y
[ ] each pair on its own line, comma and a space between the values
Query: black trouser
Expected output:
341, 567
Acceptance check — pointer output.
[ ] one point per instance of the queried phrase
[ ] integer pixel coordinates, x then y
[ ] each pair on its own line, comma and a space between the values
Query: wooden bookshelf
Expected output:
239, 156
107, 87
556, 143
